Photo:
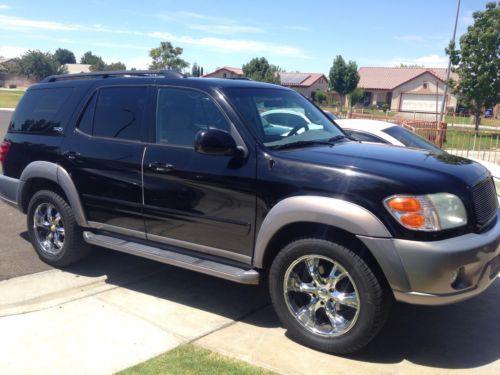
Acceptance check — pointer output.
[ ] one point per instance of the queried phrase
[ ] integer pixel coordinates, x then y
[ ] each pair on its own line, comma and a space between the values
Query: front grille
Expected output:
485, 201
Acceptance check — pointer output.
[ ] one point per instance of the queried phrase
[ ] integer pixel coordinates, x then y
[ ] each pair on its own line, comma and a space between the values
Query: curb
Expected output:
51, 288
7, 109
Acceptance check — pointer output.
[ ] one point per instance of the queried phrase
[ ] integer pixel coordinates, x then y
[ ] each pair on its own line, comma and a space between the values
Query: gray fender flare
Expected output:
316, 209
57, 174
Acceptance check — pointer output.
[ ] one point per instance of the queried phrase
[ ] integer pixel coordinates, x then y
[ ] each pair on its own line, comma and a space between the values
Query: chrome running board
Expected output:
174, 257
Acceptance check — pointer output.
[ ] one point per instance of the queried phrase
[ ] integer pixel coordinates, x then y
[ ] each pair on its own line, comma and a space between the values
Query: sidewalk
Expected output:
58, 322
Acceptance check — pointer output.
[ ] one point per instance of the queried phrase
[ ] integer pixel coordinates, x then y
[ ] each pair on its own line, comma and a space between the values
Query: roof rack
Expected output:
115, 73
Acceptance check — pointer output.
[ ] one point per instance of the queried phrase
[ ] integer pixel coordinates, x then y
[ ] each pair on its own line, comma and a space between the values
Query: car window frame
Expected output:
234, 132
95, 92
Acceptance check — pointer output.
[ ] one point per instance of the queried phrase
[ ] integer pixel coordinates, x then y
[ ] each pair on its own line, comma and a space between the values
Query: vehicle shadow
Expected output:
460, 336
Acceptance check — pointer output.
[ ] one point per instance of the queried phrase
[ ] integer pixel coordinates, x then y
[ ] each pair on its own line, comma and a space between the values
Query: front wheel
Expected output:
327, 296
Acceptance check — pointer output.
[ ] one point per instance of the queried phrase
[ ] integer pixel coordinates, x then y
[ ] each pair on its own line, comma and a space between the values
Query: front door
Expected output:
202, 202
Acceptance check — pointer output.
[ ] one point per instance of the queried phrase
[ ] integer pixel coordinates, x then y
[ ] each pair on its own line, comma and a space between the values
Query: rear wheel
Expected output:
327, 296
53, 231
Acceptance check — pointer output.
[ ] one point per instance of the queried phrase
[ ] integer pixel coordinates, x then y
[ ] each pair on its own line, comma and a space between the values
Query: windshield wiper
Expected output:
301, 144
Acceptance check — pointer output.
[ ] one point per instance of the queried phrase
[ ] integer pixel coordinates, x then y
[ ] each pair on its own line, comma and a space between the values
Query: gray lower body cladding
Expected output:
438, 272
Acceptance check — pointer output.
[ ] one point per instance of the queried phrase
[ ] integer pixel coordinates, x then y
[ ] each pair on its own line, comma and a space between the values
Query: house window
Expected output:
426, 85
224, 75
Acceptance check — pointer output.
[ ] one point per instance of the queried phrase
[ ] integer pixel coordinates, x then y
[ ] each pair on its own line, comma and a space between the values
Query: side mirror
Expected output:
215, 142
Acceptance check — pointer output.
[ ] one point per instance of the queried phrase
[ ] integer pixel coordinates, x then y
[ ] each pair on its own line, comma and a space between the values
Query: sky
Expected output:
295, 35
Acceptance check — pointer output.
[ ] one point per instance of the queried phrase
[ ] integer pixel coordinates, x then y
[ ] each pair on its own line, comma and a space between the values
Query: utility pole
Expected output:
441, 114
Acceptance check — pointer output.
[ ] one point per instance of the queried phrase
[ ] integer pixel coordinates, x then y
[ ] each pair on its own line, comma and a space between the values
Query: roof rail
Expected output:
115, 73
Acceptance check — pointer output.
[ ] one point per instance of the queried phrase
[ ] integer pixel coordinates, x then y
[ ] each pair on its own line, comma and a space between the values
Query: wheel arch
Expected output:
40, 175
314, 212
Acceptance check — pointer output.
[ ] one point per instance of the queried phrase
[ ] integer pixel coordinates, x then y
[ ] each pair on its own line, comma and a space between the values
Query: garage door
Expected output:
420, 103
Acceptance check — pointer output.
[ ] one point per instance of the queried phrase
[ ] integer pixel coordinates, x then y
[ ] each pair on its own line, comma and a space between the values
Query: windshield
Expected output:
280, 117
410, 139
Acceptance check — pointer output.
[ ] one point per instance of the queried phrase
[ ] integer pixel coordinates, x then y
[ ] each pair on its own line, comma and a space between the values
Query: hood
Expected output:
412, 167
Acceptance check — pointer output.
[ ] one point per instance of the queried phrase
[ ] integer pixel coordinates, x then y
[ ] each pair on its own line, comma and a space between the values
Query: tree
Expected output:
89, 58
344, 77
98, 66
37, 64
259, 69
64, 56
166, 56
356, 96
115, 66
201, 71
477, 62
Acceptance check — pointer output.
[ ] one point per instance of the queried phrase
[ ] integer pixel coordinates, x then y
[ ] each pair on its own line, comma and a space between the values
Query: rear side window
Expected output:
118, 113
40, 111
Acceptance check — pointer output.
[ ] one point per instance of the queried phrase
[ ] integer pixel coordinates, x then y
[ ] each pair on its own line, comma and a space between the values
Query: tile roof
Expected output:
236, 71
390, 78
300, 79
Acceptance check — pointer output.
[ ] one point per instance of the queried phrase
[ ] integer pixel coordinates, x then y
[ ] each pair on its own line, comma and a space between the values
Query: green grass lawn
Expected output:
10, 98
465, 141
192, 360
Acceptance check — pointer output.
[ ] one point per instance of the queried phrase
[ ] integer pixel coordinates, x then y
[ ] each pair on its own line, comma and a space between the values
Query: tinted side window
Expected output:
40, 111
182, 113
364, 137
118, 112
85, 124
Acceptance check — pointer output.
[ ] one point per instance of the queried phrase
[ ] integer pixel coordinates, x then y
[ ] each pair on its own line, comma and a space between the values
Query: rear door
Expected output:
202, 202
104, 157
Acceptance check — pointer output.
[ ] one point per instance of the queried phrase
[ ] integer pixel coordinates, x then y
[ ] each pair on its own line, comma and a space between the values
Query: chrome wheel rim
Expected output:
49, 229
321, 295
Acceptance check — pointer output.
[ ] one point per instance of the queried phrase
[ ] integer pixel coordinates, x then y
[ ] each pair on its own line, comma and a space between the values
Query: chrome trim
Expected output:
189, 262
314, 288
315, 209
201, 248
119, 230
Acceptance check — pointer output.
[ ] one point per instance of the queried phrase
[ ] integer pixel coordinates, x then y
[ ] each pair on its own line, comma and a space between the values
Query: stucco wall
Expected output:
316, 86
416, 86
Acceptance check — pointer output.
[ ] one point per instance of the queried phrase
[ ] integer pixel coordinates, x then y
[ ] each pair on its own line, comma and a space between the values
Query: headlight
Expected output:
429, 213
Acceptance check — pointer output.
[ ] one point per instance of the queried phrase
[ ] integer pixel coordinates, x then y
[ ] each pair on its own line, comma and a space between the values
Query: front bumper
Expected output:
439, 272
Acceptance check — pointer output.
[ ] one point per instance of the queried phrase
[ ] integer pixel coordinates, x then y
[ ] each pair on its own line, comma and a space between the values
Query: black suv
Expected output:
215, 176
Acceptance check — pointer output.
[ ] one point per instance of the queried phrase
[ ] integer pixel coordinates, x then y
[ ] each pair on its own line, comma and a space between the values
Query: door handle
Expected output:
161, 167
71, 155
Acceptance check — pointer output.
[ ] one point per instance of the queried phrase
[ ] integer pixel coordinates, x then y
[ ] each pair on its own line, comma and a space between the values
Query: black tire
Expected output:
73, 248
373, 298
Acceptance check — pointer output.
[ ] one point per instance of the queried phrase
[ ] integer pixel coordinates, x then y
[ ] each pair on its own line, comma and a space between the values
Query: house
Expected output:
225, 72
11, 80
406, 89
308, 84
77, 68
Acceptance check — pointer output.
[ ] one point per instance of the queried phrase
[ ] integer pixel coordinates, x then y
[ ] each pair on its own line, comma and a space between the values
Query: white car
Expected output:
286, 121
386, 132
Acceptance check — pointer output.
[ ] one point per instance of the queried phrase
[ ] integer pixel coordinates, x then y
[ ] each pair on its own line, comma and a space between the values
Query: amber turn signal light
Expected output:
404, 204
